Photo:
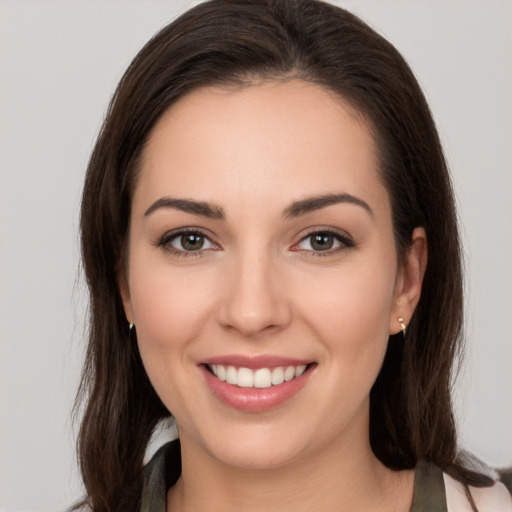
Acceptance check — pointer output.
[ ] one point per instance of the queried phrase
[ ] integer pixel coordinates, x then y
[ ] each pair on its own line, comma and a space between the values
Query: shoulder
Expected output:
159, 474
487, 499
437, 491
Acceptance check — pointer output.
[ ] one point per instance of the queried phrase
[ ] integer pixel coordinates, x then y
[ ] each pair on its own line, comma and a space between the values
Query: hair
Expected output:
232, 43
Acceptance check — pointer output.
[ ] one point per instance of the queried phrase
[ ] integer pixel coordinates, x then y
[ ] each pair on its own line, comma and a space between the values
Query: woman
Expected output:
270, 243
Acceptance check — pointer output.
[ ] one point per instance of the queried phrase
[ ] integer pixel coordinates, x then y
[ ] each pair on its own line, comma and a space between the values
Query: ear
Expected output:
124, 290
409, 281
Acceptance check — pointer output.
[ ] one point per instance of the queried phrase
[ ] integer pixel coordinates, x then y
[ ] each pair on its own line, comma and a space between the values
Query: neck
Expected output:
344, 476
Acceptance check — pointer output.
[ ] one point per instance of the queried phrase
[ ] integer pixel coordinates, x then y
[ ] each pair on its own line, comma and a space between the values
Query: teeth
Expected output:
231, 375
300, 370
245, 378
277, 375
289, 373
260, 378
221, 372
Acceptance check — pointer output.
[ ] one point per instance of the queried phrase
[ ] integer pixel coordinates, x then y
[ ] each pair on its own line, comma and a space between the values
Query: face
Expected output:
262, 272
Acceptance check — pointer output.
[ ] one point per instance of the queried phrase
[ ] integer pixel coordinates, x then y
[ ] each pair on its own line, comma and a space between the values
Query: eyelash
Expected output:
164, 242
345, 242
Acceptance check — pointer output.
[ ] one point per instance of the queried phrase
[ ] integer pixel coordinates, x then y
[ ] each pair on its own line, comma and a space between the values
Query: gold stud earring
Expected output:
402, 325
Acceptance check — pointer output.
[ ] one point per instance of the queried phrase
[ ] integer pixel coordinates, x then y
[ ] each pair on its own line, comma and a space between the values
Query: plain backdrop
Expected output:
59, 64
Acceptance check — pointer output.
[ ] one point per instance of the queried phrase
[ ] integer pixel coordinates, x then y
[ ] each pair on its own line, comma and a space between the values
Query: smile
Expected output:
255, 384
259, 378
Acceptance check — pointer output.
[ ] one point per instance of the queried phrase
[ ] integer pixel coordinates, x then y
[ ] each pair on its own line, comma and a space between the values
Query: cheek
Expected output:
169, 306
355, 297
349, 310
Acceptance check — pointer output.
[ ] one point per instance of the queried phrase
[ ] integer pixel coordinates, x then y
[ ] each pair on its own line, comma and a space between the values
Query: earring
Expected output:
131, 326
402, 325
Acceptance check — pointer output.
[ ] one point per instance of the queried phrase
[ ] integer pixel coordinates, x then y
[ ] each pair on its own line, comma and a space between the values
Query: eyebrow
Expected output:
315, 203
296, 209
187, 205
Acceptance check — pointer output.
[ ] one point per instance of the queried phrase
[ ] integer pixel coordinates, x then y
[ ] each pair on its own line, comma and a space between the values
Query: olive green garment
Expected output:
165, 468
506, 478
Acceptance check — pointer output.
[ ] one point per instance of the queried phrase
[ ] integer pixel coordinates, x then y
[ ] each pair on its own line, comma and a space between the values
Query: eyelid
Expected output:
164, 241
346, 240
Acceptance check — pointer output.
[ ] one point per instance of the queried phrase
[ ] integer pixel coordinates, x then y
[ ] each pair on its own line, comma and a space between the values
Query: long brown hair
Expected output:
230, 42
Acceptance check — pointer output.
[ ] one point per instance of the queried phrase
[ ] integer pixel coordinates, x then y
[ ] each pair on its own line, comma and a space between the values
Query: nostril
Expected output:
252, 321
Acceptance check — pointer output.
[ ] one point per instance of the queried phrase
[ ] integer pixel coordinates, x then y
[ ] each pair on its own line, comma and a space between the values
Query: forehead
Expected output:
274, 139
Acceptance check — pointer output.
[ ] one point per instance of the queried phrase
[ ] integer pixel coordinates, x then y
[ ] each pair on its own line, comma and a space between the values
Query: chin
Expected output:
258, 446
261, 457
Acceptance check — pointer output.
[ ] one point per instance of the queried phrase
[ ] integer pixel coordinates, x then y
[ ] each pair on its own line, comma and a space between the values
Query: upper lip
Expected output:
255, 362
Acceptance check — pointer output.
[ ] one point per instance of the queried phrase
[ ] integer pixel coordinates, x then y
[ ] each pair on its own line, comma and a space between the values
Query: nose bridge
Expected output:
254, 299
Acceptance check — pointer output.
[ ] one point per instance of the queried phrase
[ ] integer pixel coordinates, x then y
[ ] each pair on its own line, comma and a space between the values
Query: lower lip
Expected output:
255, 399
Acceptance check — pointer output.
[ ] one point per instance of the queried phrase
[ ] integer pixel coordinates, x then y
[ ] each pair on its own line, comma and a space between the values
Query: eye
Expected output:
189, 242
324, 241
186, 241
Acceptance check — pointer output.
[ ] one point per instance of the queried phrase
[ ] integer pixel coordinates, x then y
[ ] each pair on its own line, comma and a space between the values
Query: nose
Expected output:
255, 299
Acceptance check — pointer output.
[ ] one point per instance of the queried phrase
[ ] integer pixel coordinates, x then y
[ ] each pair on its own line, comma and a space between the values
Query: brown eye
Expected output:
186, 242
324, 242
189, 242
321, 241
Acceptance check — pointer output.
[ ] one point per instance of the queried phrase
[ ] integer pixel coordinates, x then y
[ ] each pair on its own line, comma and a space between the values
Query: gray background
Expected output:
59, 64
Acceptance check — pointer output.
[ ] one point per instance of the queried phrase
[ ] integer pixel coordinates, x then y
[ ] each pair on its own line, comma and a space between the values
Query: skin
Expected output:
258, 287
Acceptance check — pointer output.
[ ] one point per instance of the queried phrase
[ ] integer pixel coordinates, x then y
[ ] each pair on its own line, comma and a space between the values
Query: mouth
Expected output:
260, 378
258, 384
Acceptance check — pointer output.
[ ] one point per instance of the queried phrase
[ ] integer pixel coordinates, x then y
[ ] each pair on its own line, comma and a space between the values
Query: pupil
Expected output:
192, 242
322, 242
